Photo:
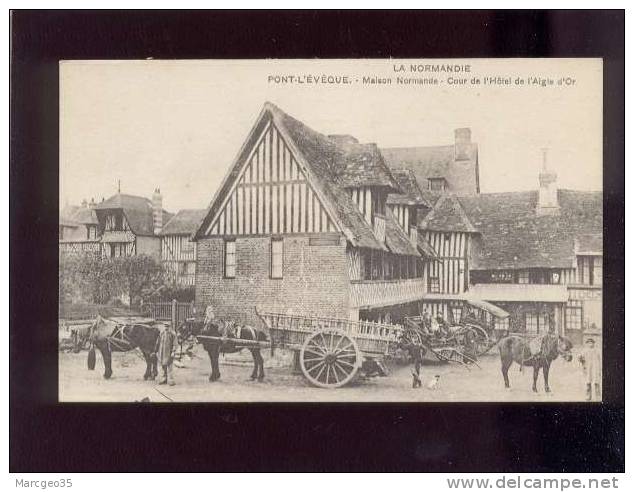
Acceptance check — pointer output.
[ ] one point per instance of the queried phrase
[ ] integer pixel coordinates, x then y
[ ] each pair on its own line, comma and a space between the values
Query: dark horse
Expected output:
226, 329
108, 336
514, 348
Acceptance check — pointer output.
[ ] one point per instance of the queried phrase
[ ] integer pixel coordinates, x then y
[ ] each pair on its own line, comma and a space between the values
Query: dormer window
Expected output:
378, 202
437, 184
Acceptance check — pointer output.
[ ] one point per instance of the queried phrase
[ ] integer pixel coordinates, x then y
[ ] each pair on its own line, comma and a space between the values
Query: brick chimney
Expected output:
157, 210
462, 144
548, 202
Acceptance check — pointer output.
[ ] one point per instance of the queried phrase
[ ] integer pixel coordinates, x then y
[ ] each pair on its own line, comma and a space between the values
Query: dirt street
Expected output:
77, 383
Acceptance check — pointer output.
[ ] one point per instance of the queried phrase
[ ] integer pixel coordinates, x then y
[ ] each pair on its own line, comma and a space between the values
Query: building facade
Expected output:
301, 225
178, 251
79, 230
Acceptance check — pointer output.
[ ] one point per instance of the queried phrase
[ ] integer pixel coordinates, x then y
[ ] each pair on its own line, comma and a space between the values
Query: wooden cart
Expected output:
332, 351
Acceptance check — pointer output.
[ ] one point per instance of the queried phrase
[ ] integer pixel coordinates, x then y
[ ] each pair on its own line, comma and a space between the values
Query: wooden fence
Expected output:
173, 311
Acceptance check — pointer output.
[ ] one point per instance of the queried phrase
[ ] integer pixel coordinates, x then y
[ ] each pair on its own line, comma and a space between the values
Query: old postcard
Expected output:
343, 230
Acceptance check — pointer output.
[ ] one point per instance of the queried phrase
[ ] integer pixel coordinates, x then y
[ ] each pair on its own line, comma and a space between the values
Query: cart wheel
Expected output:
481, 342
329, 358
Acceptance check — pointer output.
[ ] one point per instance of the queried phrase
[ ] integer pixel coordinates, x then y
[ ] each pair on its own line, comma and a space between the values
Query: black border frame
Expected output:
49, 437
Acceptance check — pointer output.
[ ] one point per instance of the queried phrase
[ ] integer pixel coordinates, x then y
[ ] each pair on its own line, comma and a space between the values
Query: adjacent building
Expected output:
536, 254
122, 225
178, 251
452, 168
79, 230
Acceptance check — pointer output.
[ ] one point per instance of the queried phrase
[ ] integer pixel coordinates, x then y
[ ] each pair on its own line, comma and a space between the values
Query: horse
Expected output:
514, 348
226, 329
108, 336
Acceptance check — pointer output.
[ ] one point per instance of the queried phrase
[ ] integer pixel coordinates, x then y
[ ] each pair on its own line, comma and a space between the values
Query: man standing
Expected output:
166, 354
590, 360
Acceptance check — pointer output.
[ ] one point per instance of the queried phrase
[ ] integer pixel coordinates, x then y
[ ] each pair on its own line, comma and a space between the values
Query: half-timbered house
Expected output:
545, 269
178, 251
300, 225
450, 233
79, 230
130, 225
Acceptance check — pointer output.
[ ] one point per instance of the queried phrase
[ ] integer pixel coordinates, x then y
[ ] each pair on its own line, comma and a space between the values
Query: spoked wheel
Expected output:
329, 358
481, 342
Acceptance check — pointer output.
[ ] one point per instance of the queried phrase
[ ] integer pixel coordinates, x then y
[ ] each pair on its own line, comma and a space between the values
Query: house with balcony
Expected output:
130, 225
301, 225
178, 252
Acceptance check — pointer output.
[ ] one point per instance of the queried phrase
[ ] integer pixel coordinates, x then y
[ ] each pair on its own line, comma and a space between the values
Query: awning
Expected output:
488, 307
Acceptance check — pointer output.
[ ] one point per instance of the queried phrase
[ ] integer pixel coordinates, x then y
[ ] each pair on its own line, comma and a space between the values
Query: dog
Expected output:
433, 384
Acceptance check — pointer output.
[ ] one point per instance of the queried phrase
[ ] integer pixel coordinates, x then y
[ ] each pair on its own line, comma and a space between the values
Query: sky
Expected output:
178, 125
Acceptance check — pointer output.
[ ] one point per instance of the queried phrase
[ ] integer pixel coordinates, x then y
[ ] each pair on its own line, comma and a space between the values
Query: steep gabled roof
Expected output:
345, 162
514, 236
438, 162
138, 212
411, 192
448, 215
184, 222
332, 164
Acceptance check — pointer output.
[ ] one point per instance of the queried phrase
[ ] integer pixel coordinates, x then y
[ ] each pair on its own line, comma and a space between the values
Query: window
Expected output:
437, 184
531, 323
522, 277
277, 257
367, 264
555, 277
118, 249
230, 258
456, 314
574, 315
118, 222
538, 277
501, 324
502, 276
378, 203
585, 270
434, 285
537, 323
187, 268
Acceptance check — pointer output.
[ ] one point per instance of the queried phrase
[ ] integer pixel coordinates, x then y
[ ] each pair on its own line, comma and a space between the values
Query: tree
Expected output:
138, 275
97, 277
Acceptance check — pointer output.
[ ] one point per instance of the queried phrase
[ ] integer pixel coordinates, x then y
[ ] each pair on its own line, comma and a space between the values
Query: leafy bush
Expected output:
104, 280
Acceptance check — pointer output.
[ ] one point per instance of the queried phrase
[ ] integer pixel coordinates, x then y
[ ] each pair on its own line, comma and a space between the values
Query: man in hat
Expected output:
590, 360
166, 354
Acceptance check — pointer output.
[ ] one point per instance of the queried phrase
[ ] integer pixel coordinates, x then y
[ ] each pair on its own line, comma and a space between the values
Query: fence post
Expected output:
174, 314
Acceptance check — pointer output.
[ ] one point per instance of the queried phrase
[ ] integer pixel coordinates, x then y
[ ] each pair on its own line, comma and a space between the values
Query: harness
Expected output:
119, 339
